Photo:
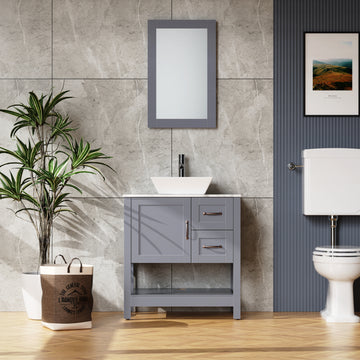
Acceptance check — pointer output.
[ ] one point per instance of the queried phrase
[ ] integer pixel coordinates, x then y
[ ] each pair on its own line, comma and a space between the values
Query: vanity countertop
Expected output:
182, 195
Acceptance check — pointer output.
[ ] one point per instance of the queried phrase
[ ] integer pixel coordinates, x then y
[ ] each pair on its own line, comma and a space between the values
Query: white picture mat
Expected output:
331, 46
181, 73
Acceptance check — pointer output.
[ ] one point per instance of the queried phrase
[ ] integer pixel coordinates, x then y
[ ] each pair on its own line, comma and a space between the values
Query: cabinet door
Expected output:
161, 230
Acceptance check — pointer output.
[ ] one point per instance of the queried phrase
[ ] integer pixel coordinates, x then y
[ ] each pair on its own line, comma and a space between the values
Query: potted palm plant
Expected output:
41, 170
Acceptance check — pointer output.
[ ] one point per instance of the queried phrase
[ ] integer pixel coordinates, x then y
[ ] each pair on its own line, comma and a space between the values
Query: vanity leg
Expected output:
236, 275
128, 272
236, 313
236, 293
127, 291
127, 312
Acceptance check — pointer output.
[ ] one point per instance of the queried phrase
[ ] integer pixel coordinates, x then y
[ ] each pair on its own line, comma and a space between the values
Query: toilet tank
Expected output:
331, 181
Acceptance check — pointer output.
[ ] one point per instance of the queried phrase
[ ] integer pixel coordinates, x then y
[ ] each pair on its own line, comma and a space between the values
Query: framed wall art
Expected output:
331, 74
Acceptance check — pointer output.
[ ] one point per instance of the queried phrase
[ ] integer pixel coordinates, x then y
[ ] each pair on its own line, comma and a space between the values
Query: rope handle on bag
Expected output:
75, 258
62, 256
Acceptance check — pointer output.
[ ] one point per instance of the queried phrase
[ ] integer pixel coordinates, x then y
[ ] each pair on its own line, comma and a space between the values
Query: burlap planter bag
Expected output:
67, 296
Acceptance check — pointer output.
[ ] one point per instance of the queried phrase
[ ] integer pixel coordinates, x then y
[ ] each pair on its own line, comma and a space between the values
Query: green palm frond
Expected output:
25, 155
53, 175
27, 209
56, 175
60, 200
61, 126
36, 113
59, 204
13, 187
82, 155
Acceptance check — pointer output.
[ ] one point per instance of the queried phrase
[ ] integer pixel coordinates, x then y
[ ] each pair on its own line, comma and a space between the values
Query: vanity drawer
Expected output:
212, 213
212, 246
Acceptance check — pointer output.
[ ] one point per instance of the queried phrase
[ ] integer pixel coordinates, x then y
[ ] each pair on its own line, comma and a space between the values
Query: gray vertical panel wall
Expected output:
297, 287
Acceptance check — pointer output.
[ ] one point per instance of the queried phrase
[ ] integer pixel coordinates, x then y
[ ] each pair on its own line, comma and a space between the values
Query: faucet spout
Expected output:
181, 165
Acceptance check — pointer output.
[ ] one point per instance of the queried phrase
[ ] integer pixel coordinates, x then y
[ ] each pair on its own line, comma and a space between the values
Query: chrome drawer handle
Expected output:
187, 230
212, 213
212, 246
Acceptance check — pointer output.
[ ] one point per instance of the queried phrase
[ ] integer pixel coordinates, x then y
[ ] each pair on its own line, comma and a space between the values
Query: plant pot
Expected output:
31, 289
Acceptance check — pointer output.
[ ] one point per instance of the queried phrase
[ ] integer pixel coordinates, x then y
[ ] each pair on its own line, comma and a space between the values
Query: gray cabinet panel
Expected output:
159, 230
212, 213
212, 246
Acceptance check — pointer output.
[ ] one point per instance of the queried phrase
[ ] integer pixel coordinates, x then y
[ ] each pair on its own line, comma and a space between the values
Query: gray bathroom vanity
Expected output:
181, 229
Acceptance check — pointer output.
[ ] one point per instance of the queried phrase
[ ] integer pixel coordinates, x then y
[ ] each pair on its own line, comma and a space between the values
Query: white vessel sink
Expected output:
181, 185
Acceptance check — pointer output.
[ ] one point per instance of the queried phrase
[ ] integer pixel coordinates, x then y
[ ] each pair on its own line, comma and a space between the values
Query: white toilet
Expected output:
331, 186
341, 266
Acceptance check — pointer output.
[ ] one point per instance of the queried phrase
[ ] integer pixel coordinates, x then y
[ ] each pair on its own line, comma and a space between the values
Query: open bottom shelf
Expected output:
182, 297
182, 291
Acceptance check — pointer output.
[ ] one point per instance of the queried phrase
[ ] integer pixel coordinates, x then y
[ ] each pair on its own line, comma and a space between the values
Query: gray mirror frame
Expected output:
210, 121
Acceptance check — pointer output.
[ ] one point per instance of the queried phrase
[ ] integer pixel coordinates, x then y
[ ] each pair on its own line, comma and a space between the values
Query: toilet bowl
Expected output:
341, 266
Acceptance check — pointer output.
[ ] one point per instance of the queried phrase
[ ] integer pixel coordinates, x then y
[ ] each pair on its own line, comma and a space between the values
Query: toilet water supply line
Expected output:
333, 224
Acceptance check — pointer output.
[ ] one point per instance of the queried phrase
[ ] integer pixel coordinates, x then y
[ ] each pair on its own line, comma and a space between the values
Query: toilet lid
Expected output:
343, 251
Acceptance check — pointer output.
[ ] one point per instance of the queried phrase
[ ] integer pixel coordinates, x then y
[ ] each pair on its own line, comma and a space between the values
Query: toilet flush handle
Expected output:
291, 166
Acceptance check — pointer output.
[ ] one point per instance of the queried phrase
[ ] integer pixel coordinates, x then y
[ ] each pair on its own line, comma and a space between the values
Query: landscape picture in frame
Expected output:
332, 74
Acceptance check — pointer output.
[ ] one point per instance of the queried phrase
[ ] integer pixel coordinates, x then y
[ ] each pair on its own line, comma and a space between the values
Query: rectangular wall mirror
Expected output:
182, 73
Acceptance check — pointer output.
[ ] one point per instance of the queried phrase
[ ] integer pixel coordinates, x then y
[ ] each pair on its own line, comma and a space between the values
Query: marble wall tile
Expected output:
102, 39
153, 275
112, 114
108, 288
19, 244
19, 253
10, 289
257, 254
245, 28
238, 154
94, 234
25, 33
201, 276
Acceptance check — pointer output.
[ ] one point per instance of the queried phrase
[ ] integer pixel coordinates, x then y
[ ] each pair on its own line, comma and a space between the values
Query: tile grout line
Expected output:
171, 152
252, 78
171, 159
52, 44
52, 89
69, 78
109, 78
159, 195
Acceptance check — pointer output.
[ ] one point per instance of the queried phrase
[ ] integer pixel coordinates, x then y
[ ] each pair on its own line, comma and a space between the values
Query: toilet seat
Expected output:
340, 251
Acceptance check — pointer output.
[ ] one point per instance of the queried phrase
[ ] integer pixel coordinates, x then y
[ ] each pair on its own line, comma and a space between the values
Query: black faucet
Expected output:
181, 165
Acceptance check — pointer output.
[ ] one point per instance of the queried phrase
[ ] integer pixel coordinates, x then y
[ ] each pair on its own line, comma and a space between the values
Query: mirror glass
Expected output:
181, 76
182, 73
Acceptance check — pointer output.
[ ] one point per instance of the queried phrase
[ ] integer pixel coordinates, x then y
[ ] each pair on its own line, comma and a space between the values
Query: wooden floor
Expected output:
183, 336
